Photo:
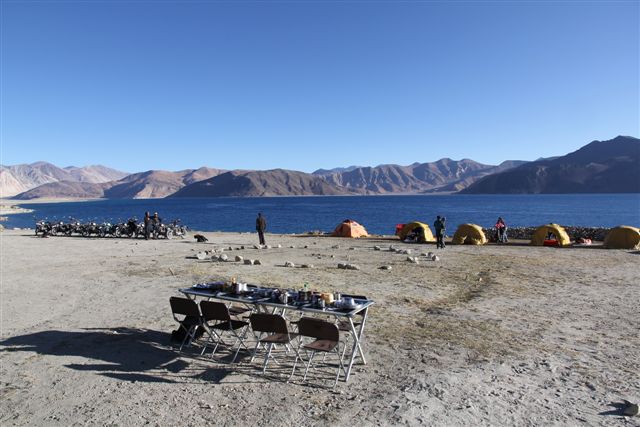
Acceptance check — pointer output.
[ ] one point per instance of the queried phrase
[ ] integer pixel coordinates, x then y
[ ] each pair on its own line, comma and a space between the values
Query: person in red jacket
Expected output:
501, 227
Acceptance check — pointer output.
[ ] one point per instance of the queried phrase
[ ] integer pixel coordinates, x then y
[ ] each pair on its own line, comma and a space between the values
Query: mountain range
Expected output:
601, 166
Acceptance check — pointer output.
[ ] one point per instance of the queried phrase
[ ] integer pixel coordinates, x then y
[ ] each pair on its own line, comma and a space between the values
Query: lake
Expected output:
379, 214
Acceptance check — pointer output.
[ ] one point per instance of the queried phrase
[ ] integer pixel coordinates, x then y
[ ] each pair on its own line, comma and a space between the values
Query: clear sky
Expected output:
139, 85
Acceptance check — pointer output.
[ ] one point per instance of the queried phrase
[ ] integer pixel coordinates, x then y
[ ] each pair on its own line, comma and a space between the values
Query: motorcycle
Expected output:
90, 228
43, 227
176, 229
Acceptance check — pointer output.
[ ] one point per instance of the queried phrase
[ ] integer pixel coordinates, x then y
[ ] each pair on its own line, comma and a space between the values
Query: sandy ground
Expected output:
493, 335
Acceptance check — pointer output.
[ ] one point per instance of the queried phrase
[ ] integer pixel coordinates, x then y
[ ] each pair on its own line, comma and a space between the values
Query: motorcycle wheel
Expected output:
117, 233
85, 233
169, 234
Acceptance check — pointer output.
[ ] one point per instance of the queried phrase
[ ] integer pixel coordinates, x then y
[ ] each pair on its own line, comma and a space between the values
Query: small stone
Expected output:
289, 264
256, 246
305, 247
306, 266
215, 258
425, 254
352, 267
335, 247
430, 254
278, 246
386, 267
241, 247
229, 248
352, 248
267, 246
342, 266
248, 262
239, 258
408, 251
376, 248
333, 256
257, 262
223, 258
435, 258
291, 247
201, 255
412, 260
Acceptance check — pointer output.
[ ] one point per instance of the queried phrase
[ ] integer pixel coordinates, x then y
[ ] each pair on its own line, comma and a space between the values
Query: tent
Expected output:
559, 236
623, 237
469, 234
349, 228
422, 230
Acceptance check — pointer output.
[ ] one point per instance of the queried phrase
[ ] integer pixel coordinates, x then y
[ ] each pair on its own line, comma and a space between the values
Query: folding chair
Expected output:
192, 319
219, 312
327, 340
275, 326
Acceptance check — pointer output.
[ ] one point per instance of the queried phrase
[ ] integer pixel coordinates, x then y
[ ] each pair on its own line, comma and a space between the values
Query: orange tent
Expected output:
349, 228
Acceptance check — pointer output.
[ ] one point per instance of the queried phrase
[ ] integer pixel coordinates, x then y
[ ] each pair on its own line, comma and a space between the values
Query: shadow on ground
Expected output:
123, 353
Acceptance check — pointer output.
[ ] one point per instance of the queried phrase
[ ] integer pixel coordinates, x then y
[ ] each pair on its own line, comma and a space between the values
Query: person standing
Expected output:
501, 226
439, 226
147, 225
156, 224
261, 226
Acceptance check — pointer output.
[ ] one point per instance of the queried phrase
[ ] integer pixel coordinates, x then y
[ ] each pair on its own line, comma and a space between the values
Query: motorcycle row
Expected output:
132, 228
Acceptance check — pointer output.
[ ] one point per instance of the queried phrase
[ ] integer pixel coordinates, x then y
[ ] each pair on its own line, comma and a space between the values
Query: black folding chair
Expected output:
218, 312
191, 321
327, 340
275, 326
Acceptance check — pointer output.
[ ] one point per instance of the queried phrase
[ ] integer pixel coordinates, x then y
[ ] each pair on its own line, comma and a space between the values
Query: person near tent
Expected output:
261, 226
501, 227
439, 225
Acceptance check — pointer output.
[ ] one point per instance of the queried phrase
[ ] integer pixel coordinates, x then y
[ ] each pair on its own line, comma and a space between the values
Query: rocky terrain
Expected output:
489, 335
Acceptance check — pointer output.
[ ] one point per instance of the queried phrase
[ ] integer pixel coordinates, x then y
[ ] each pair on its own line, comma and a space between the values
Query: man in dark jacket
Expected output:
439, 226
261, 226
156, 224
147, 225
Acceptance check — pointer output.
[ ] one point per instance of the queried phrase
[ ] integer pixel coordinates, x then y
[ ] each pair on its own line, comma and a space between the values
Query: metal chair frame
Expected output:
219, 312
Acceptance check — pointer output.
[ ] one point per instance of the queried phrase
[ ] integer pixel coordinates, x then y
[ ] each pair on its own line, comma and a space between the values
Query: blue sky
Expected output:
139, 85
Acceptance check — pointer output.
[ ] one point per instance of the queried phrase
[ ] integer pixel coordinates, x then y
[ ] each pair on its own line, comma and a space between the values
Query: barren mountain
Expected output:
66, 190
19, 178
276, 182
149, 184
95, 173
600, 167
442, 175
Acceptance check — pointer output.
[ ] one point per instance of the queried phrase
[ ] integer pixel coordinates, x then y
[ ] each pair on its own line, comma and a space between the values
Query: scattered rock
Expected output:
248, 262
430, 254
201, 255
257, 262
289, 264
376, 248
435, 258
342, 266
267, 246
306, 266
279, 246
256, 246
335, 247
413, 260
385, 267
352, 267
241, 247
352, 248
239, 258
223, 258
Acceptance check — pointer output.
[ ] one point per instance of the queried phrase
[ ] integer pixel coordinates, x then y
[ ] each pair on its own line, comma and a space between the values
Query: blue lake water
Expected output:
378, 214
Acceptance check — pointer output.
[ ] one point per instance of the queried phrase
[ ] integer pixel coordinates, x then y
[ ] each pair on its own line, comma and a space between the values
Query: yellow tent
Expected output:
550, 235
623, 237
469, 234
424, 232
349, 228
